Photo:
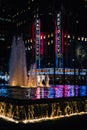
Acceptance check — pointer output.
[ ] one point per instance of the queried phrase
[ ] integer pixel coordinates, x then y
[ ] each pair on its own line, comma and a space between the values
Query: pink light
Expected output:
41, 43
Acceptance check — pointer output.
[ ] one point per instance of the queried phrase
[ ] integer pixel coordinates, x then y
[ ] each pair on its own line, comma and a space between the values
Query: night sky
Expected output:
75, 12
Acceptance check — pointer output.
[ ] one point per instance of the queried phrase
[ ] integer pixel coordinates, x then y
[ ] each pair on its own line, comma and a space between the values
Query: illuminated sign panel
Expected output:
58, 52
37, 42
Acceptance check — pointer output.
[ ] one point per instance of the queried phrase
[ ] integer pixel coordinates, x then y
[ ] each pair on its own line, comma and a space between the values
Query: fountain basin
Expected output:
16, 107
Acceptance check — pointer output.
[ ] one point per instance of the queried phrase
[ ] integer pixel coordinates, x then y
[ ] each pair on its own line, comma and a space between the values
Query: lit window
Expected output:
58, 23
78, 38
25, 48
48, 43
50, 13
58, 19
25, 41
64, 35
65, 43
9, 47
37, 15
44, 37
51, 41
31, 40
29, 7
51, 34
73, 37
37, 21
28, 40
82, 38
2, 39
17, 13
48, 35
68, 36
28, 48
41, 37
58, 15
85, 39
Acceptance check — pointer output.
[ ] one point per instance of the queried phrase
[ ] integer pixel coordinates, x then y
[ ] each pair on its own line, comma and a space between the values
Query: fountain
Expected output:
47, 81
32, 80
17, 68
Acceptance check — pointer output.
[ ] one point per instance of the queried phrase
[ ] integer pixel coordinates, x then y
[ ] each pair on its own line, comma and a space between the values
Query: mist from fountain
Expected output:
17, 65
18, 75
47, 81
32, 80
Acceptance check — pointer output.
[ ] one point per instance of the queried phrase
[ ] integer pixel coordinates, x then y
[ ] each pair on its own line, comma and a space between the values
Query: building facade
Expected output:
53, 31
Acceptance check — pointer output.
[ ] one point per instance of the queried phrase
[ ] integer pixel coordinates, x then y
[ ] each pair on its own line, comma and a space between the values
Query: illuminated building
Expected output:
52, 32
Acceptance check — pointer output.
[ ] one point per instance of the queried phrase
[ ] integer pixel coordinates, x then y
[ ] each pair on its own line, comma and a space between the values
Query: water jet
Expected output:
18, 75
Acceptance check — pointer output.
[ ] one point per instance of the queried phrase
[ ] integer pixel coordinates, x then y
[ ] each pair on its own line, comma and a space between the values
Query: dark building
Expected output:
54, 32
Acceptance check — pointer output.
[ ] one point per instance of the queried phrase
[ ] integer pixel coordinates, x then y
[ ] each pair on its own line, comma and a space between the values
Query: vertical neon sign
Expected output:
37, 33
58, 42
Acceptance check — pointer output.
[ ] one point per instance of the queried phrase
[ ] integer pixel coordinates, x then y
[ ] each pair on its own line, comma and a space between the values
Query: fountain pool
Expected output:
28, 105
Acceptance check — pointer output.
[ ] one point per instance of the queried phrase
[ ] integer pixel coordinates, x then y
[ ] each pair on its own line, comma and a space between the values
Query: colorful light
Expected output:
58, 42
37, 33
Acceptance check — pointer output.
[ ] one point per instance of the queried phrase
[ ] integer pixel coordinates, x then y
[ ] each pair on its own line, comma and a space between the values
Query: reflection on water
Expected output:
58, 91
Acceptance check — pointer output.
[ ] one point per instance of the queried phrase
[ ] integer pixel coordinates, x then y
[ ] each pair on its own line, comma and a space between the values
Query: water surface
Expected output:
57, 91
